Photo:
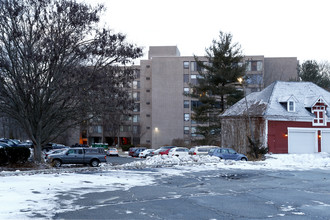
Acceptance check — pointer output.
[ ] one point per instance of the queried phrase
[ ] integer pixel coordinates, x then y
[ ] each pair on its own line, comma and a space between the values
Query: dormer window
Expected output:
319, 110
291, 106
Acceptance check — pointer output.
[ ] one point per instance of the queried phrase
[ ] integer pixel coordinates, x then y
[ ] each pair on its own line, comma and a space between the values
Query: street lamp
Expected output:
156, 134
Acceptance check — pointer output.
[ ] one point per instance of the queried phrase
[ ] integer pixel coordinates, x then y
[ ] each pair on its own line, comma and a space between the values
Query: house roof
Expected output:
271, 102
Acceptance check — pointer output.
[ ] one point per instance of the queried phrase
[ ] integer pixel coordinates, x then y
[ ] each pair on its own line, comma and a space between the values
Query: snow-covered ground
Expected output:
24, 194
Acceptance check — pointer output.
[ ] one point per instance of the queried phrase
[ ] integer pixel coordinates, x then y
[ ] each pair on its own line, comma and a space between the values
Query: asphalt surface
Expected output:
233, 194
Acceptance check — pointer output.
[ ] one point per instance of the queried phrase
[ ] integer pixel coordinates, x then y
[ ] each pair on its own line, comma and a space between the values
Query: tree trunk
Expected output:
37, 153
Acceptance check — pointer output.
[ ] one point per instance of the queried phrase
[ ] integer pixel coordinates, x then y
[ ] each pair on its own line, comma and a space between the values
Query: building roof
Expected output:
272, 101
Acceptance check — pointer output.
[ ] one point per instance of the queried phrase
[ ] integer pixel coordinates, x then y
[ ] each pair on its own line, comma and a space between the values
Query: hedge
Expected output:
14, 155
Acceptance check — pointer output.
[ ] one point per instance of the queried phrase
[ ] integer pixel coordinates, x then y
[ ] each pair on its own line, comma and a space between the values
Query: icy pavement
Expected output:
25, 194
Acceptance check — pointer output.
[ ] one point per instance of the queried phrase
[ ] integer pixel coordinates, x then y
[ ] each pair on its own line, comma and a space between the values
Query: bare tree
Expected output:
58, 68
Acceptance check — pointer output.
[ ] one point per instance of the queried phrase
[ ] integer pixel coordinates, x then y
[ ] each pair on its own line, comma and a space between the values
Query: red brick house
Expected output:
286, 117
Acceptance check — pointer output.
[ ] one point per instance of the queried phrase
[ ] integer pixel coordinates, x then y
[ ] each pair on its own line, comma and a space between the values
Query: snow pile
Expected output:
274, 161
297, 161
165, 160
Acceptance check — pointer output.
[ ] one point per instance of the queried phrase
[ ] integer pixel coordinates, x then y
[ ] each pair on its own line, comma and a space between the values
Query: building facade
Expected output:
163, 112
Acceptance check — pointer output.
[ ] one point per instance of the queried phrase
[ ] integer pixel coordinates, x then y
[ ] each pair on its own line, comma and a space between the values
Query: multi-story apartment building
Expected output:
163, 112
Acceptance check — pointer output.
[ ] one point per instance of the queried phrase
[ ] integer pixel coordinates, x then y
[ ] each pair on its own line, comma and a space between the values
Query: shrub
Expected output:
256, 148
14, 155
126, 147
3, 156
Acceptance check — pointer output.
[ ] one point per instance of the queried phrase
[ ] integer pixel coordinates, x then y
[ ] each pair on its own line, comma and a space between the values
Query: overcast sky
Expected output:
273, 28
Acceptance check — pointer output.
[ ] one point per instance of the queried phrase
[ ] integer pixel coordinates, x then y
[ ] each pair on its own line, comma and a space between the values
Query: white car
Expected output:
112, 152
145, 153
179, 152
201, 150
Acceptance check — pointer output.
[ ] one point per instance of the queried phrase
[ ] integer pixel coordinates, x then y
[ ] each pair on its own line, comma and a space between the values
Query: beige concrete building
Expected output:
163, 112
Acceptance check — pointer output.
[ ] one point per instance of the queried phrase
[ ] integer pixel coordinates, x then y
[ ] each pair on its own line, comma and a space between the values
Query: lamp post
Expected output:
241, 81
156, 134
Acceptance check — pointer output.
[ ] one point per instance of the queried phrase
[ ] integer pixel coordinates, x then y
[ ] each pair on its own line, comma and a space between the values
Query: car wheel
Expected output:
243, 159
56, 163
94, 163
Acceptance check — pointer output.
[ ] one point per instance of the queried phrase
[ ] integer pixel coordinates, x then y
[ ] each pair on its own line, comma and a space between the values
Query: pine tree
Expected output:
318, 73
216, 88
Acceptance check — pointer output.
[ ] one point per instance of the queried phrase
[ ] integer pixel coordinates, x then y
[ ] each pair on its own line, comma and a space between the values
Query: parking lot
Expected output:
231, 194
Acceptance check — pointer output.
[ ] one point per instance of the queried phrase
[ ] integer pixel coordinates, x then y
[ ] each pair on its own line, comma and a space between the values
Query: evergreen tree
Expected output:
311, 71
216, 88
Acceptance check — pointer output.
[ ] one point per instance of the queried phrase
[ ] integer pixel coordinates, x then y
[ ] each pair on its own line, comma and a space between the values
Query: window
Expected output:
186, 65
290, 106
186, 90
148, 115
194, 66
186, 104
193, 131
186, 78
136, 84
147, 78
125, 118
148, 128
136, 107
136, 118
137, 74
136, 96
254, 65
255, 79
193, 79
186, 117
148, 103
186, 130
125, 128
96, 129
136, 129
195, 104
148, 90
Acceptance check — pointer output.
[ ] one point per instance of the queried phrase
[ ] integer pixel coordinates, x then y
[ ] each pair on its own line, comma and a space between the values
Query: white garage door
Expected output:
302, 141
325, 141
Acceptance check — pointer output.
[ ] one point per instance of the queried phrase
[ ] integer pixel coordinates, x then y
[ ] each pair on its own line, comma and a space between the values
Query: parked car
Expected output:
57, 151
201, 150
112, 152
92, 156
212, 150
179, 151
3, 144
138, 151
229, 154
162, 150
10, 142
28, 144
146, 153
53, 146
16, 143
131, 151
